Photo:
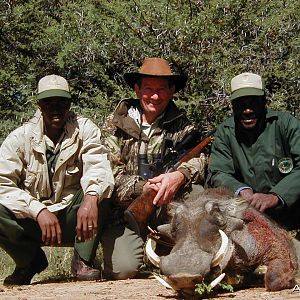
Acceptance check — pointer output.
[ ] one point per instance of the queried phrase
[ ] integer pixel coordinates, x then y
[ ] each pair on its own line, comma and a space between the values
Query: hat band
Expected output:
246, 92
54, 93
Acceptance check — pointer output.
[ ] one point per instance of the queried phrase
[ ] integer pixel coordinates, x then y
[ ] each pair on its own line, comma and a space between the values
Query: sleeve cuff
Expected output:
237, 192
281, 203
35, 207
92, 193
102, 191
186, 174
138, 187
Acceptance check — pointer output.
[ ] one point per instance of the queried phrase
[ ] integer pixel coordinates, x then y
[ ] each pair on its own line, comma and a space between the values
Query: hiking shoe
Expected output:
83, 270
23, 275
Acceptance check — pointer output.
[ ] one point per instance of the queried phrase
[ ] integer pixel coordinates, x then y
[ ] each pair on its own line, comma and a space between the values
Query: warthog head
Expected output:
216, 233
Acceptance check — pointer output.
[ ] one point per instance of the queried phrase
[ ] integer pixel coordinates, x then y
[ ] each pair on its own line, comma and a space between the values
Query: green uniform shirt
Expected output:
236, 165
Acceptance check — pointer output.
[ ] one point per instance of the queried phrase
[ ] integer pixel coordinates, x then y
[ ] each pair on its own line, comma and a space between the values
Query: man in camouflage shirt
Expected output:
142, 134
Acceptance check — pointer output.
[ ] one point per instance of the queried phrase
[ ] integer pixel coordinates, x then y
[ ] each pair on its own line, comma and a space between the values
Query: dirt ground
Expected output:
133, 289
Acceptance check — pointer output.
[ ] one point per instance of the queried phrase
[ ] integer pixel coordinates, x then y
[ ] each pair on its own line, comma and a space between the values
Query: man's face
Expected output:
155, 94
248, 110
54, 111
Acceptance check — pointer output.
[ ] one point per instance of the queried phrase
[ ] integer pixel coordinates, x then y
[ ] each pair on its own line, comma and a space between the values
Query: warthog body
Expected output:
254, 240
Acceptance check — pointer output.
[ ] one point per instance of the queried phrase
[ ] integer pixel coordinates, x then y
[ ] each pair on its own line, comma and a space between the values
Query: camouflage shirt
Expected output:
124, 138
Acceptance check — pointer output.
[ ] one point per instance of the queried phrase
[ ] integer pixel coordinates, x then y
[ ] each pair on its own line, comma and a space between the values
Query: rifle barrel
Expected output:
195, 151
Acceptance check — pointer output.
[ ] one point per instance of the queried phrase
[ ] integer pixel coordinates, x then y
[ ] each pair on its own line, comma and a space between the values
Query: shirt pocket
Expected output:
31, 184
30, 180
72, 170
72, 175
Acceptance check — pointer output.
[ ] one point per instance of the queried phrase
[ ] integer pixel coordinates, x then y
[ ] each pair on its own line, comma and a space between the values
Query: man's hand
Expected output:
166, 185
49, 224
246, 194
87, 218
263, 201
259, 200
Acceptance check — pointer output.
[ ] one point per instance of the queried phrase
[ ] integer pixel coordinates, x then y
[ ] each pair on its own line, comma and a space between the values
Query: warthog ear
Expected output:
165, 229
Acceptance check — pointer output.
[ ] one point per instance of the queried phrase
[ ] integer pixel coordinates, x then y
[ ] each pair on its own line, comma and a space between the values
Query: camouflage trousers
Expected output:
123, 248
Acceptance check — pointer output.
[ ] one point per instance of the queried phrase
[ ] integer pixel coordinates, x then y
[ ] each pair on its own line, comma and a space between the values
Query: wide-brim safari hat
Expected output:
53, 86
247, 84
156, 67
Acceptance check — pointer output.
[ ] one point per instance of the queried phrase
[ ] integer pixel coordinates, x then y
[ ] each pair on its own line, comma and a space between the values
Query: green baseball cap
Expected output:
53, 86
247, 84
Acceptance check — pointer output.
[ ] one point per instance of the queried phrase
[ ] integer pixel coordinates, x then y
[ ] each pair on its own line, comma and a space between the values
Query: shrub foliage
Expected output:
92, 43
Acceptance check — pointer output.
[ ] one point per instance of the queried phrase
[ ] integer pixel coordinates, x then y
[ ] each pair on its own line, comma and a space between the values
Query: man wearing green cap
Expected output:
54, 174
256, 153
144, 135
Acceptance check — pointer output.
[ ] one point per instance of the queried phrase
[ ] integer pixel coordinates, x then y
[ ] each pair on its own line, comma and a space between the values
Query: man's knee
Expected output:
7, 222
124, 275
121, 273
5, 212
122, 252
125, 267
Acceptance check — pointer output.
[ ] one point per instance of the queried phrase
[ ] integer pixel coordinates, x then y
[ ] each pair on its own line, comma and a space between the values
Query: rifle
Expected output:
141, 208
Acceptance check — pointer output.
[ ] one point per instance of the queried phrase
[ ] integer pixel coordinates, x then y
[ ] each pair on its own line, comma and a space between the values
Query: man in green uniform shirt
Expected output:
256, 153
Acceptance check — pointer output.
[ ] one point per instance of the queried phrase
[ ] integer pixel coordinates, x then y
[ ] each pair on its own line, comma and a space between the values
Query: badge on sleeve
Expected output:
285, 165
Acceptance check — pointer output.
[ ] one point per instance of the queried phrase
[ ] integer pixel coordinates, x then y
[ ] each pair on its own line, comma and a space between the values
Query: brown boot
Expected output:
83, 270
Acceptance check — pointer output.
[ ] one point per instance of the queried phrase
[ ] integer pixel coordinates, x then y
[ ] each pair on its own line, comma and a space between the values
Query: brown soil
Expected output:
133, 289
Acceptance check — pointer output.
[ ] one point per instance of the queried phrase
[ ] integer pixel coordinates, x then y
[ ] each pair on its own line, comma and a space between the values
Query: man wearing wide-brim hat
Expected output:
256, 153
143, 135
54, 175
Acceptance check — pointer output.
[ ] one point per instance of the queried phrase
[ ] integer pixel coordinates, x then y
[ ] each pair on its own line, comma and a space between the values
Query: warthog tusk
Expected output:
153, 257
217, 280
222, 251
163, 282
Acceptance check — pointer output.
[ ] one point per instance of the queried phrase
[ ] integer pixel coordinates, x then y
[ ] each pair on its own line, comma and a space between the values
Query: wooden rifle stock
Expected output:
139, 211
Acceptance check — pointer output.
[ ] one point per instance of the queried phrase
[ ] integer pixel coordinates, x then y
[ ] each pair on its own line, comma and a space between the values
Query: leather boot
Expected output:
23, 275
83, 270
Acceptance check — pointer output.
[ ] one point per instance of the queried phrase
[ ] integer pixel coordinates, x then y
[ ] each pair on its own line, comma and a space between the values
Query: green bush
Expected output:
93, 43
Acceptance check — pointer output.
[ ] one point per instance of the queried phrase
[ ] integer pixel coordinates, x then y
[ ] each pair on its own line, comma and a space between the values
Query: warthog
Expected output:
217, 233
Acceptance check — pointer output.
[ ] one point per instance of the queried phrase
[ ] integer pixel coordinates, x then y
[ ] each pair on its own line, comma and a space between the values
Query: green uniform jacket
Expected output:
122, 136
235, 165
